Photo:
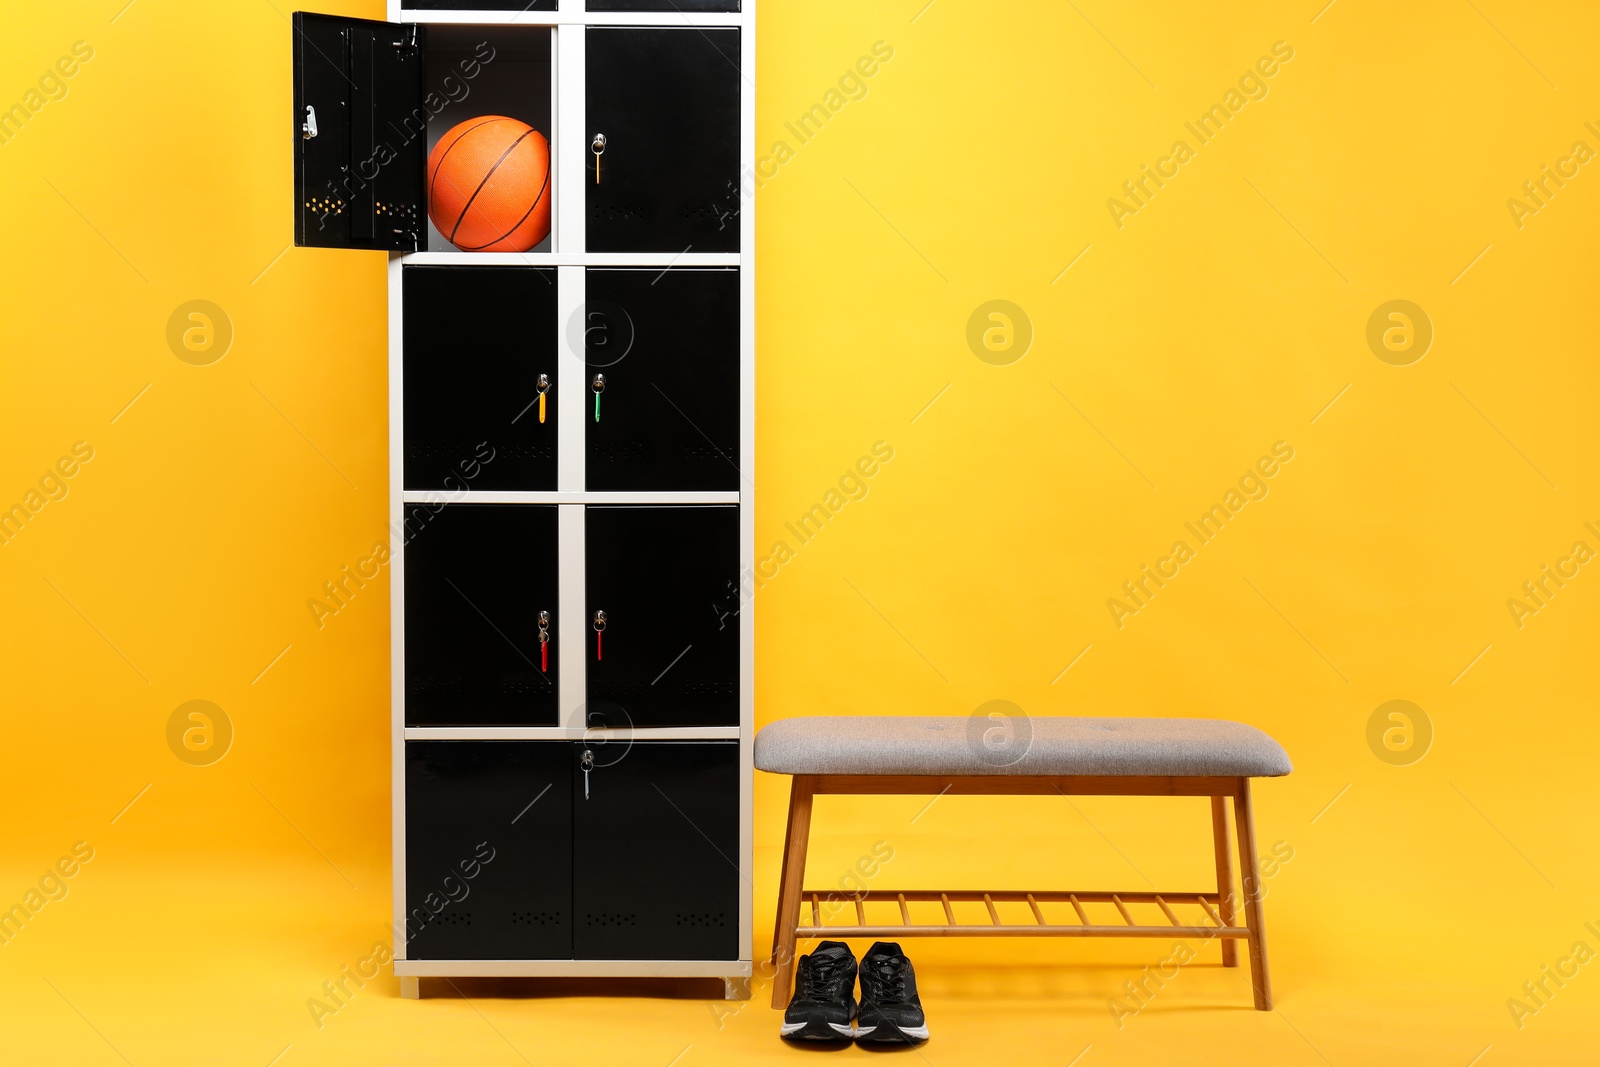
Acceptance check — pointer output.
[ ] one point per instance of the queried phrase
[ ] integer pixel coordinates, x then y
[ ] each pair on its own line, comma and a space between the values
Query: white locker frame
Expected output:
568, 26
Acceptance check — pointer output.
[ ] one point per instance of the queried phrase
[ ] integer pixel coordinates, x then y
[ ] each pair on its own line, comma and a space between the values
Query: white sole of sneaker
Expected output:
893, 1034
809, 1028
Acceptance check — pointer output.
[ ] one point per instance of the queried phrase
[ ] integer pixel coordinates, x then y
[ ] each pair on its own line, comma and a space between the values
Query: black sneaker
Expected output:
824, 1002
891, 1011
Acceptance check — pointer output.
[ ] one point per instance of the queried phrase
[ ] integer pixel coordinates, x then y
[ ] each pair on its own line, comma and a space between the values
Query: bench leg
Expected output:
790, 883
1223, 842
1250, 874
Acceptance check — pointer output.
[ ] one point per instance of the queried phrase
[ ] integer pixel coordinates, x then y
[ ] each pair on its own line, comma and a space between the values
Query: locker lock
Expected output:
308, 128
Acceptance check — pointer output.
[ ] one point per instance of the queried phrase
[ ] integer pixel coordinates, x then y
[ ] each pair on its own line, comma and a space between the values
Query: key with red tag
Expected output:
599, 633
544, 642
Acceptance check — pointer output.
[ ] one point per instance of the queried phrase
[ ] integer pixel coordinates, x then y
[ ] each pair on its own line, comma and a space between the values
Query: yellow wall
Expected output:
1181, 345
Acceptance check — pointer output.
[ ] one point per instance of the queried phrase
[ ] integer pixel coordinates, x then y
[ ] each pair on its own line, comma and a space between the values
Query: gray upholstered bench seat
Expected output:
1055, 745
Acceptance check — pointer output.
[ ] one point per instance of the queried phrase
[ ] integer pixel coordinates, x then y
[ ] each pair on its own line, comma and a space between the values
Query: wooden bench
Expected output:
1065, 756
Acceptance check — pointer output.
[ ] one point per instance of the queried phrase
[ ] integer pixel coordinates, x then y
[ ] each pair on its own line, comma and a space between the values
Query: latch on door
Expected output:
308, 128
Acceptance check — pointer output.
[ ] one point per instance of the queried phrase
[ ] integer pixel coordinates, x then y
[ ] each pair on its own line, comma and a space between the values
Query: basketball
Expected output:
489, 185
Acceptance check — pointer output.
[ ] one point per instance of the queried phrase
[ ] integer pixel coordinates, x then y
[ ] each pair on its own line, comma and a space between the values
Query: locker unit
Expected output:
479, 886
482, 592
666, 656
619, 850
653, 836
667, 104
571, 460
664, 348
456, 407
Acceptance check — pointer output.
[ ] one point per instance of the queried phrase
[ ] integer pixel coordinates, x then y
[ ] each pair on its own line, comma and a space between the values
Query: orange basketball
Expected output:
489, 185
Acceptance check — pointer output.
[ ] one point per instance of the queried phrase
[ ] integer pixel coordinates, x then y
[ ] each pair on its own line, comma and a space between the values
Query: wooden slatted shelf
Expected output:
1211, 926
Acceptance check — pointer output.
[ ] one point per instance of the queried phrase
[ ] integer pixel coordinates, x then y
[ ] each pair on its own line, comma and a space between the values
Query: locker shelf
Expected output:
569, 733
573, 968
668, 17
508, 496
450, 258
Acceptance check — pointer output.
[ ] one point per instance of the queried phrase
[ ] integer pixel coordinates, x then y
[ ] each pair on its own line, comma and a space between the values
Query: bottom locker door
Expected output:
656, 850
488, 850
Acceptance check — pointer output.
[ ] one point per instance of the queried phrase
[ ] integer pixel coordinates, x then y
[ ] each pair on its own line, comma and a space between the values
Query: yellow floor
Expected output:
214, 959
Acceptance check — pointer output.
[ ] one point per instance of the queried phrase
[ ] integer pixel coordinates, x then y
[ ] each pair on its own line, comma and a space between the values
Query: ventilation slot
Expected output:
611, 918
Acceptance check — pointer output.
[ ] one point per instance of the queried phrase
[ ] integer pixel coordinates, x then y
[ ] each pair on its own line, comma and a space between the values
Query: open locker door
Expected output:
360, 133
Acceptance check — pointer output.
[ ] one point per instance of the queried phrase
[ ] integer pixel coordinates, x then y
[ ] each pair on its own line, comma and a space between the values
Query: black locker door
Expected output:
488, 850
358, 133
656, 851
477, 577
479, 344
667, 359
663, 109
662, 5
661, 581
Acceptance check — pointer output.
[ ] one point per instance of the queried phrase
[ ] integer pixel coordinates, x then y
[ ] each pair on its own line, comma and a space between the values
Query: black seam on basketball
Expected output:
434, 176
520, 221
468, 205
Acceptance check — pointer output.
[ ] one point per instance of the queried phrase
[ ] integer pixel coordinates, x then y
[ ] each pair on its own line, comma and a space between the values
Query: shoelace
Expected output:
820, 978
889, 972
